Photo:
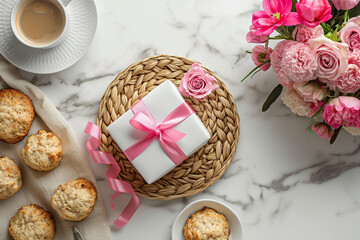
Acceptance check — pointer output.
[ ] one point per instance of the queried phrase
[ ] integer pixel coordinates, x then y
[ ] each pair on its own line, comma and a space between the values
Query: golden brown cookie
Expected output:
10, 177
32, 222
16, 115
43, 151
74, 200
207, 224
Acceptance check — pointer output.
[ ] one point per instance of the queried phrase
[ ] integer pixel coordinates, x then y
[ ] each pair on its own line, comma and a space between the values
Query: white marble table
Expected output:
283, 183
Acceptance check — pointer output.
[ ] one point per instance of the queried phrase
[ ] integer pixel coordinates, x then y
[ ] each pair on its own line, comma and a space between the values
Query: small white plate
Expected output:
231, 216
82, 27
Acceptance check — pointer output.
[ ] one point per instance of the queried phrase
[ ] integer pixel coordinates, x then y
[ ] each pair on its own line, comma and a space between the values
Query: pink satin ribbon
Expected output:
143, 120
116, 184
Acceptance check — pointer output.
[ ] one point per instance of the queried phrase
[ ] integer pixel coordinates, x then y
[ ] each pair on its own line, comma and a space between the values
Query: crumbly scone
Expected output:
32, 222
74, 200
43, 151
10, 178
16, 115
206, 224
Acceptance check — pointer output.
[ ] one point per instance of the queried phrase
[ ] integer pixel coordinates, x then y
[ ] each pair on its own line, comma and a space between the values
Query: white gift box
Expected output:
153, 163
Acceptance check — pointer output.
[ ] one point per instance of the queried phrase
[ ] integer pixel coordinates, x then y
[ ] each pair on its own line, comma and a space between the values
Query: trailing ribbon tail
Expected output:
119, 186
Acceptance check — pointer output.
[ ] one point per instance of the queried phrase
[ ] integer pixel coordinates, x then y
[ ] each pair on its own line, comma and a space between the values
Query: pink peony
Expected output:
345, 4
348, 82
310, 92
303, 33
314, 12
331, 57
252, 38
276, 61
343, 110
260, 55
323, 130
298, 63
354, 57
197, 83
276, 13
350, 35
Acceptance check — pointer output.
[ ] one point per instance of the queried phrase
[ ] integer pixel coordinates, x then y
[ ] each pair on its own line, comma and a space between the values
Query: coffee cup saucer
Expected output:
82, 27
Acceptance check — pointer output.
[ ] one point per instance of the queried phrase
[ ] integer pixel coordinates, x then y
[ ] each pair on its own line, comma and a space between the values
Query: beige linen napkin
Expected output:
38, 187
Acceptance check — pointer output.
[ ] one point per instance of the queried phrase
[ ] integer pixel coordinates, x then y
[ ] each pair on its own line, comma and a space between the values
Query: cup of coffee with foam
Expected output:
40, 23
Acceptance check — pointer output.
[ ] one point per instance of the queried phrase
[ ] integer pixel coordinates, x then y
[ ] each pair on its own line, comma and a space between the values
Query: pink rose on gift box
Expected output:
303, 33
276, 13
348, 82
330, 56
276, 61
323, 130
298, 62
260, 55
252, 38
350, 35
343, 110
197, 83
345, 4
314, 12
310, 92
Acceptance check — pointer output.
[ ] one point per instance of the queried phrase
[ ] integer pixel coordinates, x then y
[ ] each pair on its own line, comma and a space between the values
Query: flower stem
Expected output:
255, 70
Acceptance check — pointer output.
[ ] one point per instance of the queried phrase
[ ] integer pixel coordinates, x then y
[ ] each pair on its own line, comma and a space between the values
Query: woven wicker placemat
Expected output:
218, 112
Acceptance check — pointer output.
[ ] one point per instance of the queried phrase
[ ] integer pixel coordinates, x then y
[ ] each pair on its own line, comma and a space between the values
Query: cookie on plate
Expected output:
10, 178
16, 115
74, 200
32, 222
42, 151
206, 224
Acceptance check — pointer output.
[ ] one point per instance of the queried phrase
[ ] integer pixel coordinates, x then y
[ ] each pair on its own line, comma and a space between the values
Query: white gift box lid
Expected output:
153, 163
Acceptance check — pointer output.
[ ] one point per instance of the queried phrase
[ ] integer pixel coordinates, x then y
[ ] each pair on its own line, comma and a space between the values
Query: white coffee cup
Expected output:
15, 23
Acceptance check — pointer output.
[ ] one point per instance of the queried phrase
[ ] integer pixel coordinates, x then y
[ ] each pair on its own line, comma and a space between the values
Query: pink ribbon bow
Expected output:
143, 120
119, 186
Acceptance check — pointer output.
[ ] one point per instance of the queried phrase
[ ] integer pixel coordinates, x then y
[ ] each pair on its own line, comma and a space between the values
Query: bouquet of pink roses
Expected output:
317, 60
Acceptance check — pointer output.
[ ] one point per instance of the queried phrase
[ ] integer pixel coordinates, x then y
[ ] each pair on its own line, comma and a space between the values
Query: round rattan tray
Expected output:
218, 112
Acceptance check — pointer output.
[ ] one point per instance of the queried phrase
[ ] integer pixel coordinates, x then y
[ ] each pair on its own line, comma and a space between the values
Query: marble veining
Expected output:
283, 182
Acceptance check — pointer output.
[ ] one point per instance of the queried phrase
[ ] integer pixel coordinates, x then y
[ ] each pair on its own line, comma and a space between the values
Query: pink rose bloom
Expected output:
343, 110
303, 33
298, 62
323, 130
252, 38
350, 35
345, 4
310, 92
276, 13
261, 55
354, 57
348, 82
331, 57
197, 83
314, 12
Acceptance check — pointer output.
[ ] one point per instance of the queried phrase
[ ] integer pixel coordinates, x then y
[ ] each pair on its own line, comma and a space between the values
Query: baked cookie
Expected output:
42, 151
16, 115
74, 200
206, 224
32, 222
10, 177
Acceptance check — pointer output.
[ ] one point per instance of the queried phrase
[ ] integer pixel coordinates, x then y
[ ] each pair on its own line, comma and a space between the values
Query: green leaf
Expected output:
336, 133
272, 97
